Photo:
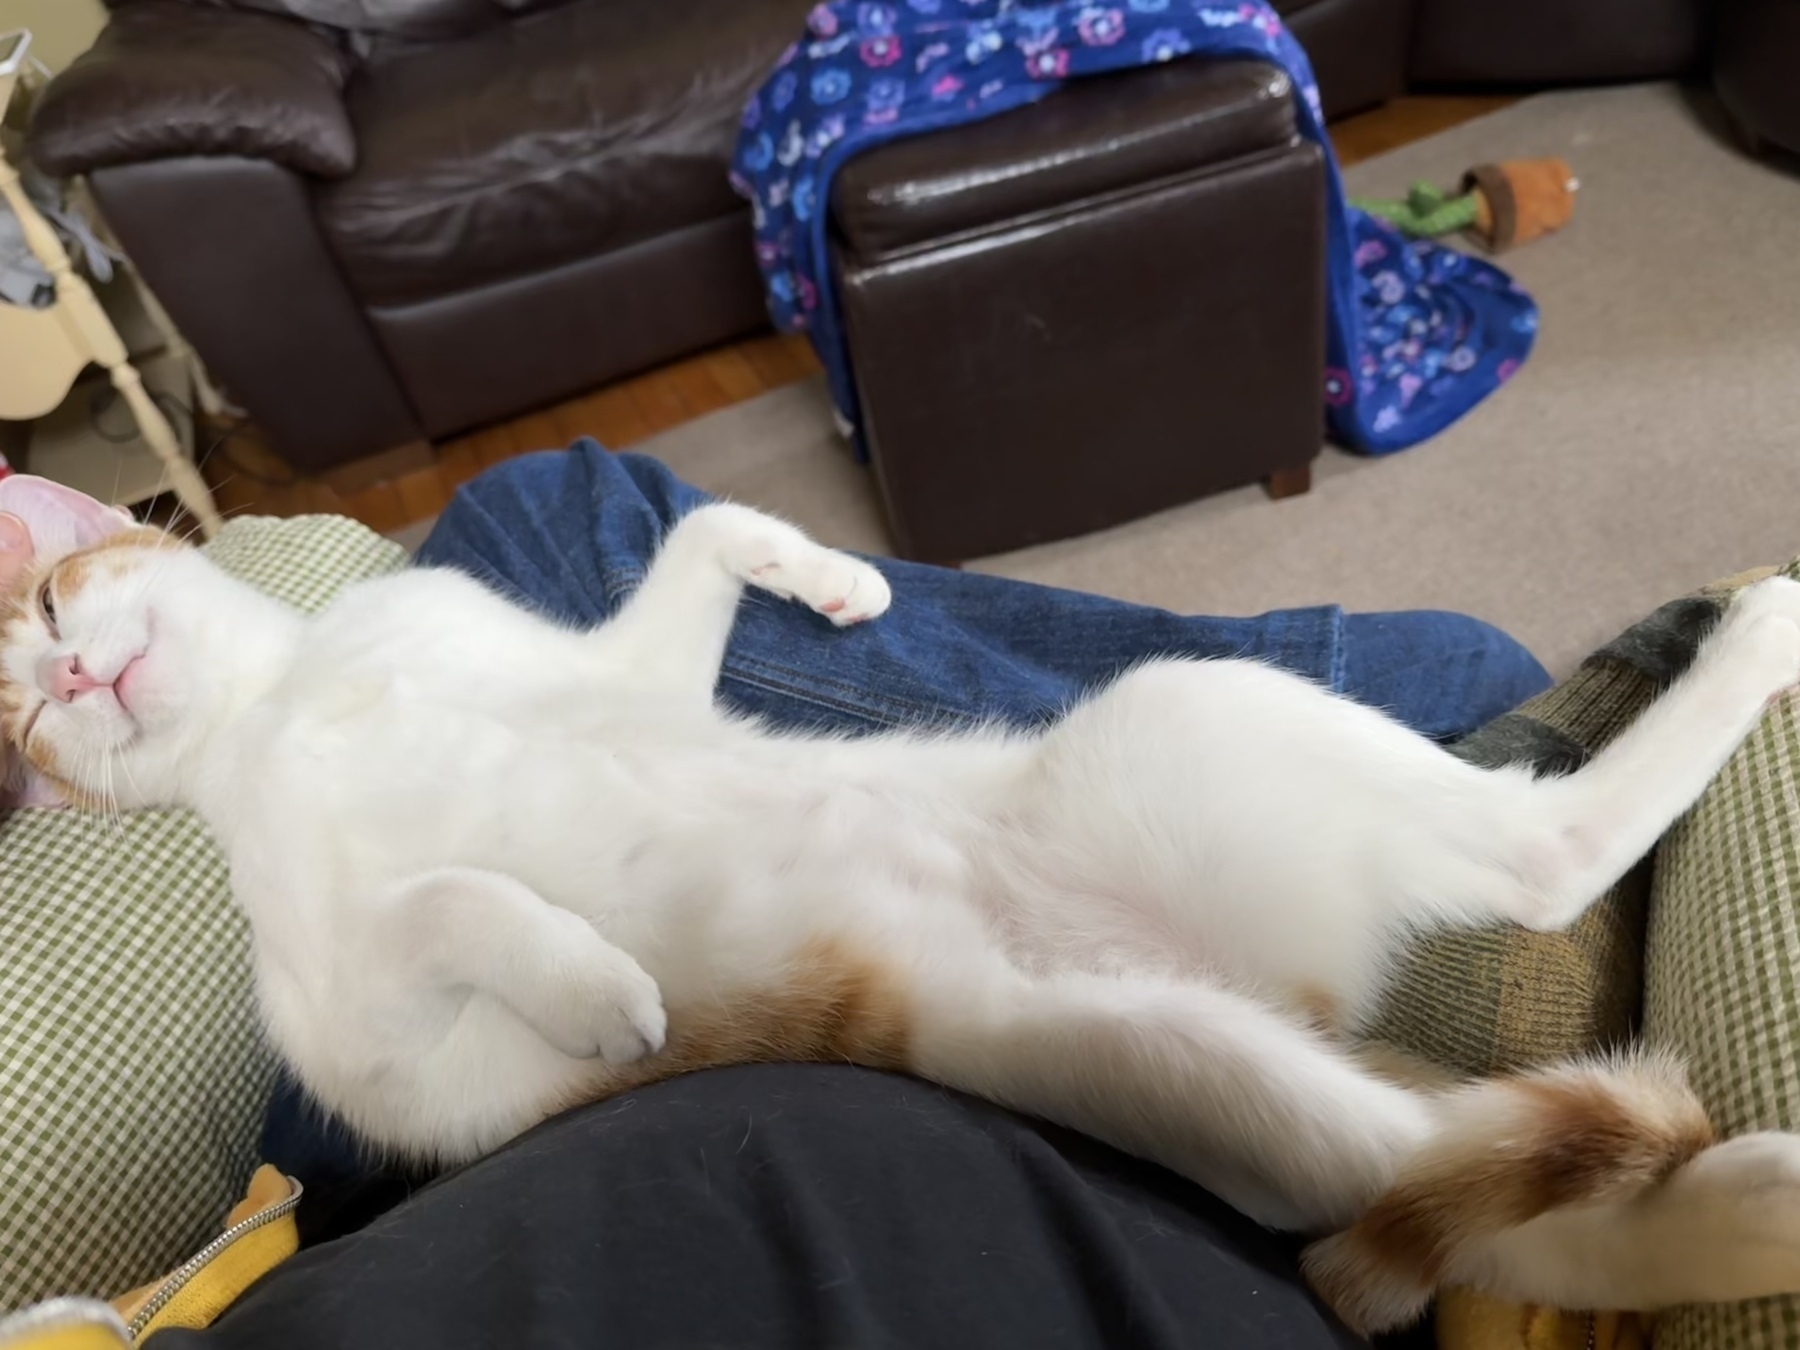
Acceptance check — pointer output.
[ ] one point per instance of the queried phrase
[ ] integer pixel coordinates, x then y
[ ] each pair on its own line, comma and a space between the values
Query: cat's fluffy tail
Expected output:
1510, 1154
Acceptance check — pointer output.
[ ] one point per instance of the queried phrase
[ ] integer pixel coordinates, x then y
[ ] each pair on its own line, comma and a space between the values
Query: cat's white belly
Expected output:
704, 900
714, 856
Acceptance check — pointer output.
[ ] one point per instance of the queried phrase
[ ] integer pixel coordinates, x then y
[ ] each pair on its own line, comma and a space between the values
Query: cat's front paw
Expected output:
844, 589
600, 1003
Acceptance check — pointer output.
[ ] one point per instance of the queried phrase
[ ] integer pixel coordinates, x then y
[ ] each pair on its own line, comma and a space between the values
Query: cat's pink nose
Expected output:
68, 679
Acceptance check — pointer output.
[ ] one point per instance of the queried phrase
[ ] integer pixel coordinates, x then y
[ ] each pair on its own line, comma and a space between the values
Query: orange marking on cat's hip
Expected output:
832, 1005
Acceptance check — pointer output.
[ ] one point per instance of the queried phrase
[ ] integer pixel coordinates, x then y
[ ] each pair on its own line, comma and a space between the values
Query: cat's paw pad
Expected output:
845, 590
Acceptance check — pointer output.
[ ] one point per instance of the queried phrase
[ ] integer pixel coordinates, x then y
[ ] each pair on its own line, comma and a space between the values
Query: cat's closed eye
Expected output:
47, 603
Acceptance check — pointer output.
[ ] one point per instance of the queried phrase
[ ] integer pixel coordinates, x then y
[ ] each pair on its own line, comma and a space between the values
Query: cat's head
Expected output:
98, 678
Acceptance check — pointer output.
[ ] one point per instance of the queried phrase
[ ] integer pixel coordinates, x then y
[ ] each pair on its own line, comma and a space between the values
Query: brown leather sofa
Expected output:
1756, 59
385, 221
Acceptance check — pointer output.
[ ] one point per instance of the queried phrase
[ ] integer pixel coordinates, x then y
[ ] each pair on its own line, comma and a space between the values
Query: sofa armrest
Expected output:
172, 79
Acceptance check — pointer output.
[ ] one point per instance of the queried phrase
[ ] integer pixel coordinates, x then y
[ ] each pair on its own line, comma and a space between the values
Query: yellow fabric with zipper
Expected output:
191, 1296
217, 1284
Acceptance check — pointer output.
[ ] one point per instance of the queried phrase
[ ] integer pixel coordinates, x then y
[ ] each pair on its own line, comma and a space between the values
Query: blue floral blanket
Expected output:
1417, 333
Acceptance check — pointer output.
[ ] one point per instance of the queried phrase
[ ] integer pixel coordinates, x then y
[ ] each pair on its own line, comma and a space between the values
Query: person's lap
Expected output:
571, 534
780, 1206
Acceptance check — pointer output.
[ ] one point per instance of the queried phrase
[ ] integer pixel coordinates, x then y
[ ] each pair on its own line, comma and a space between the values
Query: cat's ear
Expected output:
16, 552
58, 520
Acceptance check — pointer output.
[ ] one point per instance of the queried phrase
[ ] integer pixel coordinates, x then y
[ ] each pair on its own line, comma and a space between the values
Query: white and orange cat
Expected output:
495, 867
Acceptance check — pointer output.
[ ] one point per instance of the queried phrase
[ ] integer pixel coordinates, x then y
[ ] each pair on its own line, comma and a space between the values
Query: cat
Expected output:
495, 867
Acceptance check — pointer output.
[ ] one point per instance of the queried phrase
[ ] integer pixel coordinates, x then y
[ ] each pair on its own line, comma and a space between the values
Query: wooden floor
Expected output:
248, 478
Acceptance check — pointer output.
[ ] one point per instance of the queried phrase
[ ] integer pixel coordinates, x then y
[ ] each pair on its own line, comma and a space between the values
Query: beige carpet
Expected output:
1651, 444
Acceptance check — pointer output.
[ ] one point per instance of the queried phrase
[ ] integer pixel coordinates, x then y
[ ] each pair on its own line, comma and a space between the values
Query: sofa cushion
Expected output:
1724, 946
132, 1073
559, 136
1092, 136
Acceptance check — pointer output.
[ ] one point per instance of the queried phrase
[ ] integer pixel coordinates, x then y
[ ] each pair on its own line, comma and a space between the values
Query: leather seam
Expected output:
1100, 200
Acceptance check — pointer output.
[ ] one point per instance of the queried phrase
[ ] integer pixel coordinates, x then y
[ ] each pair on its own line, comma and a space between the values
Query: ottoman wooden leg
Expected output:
1289, 482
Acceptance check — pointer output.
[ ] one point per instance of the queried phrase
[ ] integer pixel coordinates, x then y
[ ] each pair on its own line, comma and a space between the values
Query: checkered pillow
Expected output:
132, 1077
1720, 981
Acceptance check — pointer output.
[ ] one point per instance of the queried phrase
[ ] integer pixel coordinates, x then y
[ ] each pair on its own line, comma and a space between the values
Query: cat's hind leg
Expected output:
1295, 836
1266, 1114
1576, 836
1591, 1184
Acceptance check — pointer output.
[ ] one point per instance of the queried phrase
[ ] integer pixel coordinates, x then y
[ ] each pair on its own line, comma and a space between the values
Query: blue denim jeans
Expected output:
571, 533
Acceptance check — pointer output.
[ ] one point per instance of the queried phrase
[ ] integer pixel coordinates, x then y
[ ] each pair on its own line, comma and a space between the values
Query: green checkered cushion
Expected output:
132, 1077
1724, 951
1488, 1000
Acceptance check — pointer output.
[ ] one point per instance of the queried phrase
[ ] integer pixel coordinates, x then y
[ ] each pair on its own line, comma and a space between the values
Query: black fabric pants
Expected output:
788, 1206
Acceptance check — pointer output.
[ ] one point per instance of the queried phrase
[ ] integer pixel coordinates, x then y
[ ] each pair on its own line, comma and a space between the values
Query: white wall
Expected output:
60, 29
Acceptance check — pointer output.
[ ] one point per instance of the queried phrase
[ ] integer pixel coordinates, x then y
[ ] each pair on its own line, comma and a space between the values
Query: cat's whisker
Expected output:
101, 786
137, 793
111, 801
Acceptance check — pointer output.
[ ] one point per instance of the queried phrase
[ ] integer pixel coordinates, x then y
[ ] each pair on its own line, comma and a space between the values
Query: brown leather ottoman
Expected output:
1086, 310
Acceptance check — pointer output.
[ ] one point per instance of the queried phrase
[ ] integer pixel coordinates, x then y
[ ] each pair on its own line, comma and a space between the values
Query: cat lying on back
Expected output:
495, 867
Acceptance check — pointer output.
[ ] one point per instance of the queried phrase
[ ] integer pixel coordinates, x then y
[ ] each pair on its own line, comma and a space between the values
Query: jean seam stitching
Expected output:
812, 696
824, 686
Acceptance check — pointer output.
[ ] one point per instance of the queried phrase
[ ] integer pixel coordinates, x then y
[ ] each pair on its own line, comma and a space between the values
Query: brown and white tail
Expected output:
1513, 1155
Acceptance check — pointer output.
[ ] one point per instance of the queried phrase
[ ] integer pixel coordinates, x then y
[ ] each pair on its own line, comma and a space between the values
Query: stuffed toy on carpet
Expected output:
1512, 202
